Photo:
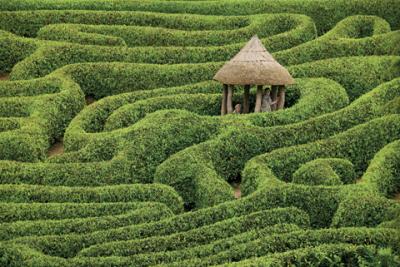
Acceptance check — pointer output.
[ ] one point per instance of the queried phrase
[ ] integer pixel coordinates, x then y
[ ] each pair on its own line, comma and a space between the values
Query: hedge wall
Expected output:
325, 18
144, 213
69, 245
295, 240
23, 193
328, 254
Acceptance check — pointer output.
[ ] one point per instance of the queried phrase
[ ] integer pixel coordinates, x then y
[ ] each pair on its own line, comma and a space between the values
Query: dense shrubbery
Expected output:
325, 171
314, 175
295, 240
336, 254
41, 118
325, 17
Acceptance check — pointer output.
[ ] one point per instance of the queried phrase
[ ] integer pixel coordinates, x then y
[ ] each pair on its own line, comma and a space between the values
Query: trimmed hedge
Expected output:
135, 162
267, 26
202, 104
383, 170
358, 144
69, 245
118, 193
326, 171
328, 254
309, 238
166, 257
46, 58
326, 17
199, 236
28, 23
145, 213
228, 153
11, 212
45, 115
361, 209
13, 50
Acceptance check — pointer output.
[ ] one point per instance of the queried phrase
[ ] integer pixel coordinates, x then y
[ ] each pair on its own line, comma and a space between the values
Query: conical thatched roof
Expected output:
255, 66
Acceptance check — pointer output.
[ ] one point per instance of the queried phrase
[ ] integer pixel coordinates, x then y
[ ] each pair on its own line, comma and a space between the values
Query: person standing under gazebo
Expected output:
267, 103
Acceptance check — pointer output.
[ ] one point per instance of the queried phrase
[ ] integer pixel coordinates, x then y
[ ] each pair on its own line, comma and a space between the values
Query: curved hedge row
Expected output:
382, 172
99, 220
348, 254
199, 236
227, 154
118, 193
325, 171
325, 17
46, 58
295, 240
155, 121
41, 118
69, 245
270, 25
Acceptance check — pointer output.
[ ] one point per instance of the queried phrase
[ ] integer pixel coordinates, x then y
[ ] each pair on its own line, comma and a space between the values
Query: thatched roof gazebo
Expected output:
253, 65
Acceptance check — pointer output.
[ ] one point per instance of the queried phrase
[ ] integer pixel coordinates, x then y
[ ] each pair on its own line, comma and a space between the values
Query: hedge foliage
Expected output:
117, 193
100, 219
70, 244
325, 171
325, 17
295, 240
316, 177
328, 254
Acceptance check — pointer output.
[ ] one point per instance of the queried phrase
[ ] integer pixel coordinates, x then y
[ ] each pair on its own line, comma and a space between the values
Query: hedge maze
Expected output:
145, 177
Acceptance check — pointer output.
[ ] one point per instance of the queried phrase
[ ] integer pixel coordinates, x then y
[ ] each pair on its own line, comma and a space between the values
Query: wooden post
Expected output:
224, 98
246, 99
274, 94
281, 100
259, 96
229, 108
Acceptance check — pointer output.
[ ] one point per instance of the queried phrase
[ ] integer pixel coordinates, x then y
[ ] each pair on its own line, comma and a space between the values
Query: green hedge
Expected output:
69, 245
199, 236
357, 74
11, 212
166, 257
228, 153
353, 36
264, 170
339, 253
383, 170
325, 18
382, 238
45, 115
325, 171
17, 255
92, 118
328, 254
143, 214
135, 162
23, 193
28, 23
13, 50
197, 154
202, 104
268, 26
46, 58
361, 209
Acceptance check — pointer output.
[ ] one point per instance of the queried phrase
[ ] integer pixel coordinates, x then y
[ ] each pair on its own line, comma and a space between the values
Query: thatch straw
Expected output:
253, 65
